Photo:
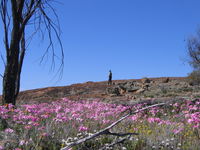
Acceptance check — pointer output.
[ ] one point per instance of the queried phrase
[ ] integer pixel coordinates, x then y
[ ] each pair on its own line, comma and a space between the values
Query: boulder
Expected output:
140, 91
113, 91
146, 86
146, 80
130, 86
133, 89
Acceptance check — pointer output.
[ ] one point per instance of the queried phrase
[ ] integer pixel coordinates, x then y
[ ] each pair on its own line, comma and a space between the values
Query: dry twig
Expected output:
115, 143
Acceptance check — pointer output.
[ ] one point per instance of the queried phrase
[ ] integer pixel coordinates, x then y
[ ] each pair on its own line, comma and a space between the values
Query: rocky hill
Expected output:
122, 91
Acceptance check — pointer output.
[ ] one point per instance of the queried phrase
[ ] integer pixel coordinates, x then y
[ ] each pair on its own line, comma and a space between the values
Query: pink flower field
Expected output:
54, 125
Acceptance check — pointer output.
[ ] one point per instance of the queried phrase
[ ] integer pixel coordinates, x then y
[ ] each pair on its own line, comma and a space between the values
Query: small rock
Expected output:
146, 86
122, 91
140, 91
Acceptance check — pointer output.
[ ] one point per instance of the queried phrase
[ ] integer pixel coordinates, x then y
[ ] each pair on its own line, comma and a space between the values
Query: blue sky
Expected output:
133, 38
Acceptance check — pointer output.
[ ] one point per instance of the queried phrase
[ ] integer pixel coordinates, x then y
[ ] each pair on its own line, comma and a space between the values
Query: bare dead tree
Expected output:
16, 15
193, 46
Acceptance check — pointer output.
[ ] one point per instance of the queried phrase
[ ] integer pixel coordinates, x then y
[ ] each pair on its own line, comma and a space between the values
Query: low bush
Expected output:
194, 78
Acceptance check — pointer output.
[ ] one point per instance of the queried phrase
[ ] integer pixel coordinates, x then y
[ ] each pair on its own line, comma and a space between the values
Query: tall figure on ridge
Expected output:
110, 78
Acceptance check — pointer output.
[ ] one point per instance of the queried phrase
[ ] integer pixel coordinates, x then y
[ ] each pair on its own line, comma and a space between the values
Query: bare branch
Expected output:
30, 12
4, 16
115, 143
106, 130
193, 46
51, 25
119, 134
3, 60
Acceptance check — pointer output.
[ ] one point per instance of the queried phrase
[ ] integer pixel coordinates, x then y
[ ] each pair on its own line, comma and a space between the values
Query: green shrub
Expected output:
194, 78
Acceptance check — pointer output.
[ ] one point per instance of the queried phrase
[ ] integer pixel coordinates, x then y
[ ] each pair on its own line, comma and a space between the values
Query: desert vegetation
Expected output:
52, 126
193, 50
135, 114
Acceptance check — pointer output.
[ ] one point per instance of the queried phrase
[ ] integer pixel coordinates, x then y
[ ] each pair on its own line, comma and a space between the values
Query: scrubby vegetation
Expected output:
51, 126
194, 77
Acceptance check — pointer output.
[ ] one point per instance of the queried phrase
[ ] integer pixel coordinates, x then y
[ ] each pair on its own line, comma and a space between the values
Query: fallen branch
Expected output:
115, 143
120, 134
106, 131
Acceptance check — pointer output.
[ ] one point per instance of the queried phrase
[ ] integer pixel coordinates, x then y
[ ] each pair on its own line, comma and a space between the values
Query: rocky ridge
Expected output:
122, 91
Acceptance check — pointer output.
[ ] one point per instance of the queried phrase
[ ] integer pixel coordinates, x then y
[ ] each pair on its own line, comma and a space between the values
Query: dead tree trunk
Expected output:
16, 15
12, 59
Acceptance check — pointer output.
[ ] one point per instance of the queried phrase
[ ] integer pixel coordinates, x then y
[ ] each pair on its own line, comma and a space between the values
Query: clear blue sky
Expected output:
133, 38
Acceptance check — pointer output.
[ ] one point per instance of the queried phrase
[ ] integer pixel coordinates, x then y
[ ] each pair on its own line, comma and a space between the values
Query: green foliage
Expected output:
3, 124
138, 144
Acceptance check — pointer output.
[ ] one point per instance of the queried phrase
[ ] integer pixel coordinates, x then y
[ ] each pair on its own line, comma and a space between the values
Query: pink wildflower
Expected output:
196, 126
154, 120
9, 130
22, 142
134, 117
36, 124
44, 134
45, 116
106, 121
176, 131
27, 127
83, 128
175, 105
41, 128
190, 121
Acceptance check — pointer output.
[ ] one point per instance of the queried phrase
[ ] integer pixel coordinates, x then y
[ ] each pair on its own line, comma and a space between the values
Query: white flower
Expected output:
75, 138
79, 134
90, 134
167, 140
131, 138
124, 148
167, 144
69, 139
179, 144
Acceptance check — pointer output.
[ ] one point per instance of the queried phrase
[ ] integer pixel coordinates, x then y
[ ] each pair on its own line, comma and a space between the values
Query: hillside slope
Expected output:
122, 91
